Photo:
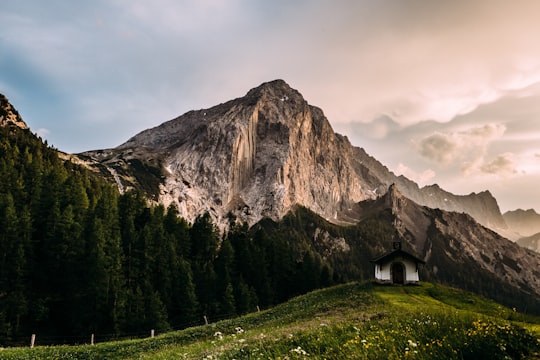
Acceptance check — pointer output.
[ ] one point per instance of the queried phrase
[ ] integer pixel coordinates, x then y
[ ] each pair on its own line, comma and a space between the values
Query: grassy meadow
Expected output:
351, 321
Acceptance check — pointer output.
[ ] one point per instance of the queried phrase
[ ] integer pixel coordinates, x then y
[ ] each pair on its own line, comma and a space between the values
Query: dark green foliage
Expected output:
79, 258
148, 175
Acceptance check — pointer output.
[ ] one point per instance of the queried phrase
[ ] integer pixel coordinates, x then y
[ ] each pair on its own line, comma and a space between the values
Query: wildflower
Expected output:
300, 351
239, 330
218, 335
412, 343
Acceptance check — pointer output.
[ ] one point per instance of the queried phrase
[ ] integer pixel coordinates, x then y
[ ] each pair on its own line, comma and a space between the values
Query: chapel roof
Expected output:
395, 253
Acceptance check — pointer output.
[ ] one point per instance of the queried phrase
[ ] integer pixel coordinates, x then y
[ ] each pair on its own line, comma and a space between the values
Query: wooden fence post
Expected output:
152, 333
32, 340
258, 308
92, 339
205, 320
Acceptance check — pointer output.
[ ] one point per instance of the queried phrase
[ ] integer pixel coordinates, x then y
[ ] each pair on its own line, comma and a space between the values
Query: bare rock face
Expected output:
252, 157
258, 156
8, 114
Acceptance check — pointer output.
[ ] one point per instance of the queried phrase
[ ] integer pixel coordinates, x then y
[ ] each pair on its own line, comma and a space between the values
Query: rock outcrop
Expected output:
9, 115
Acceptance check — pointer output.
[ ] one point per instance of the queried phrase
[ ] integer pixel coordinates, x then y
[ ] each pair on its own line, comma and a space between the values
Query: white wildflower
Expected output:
300, 351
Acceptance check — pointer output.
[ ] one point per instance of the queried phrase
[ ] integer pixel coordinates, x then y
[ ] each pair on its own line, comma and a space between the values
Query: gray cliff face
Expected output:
258, 156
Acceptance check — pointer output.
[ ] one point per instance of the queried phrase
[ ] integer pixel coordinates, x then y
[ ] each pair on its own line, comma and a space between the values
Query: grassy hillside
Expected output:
352, 321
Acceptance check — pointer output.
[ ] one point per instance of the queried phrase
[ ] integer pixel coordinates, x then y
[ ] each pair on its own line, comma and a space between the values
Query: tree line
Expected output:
77, 257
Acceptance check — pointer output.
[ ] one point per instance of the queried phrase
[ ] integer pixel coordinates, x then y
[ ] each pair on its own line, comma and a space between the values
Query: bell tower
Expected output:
396, 244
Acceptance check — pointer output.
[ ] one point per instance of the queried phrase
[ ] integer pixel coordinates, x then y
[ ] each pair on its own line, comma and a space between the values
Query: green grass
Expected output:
351, 321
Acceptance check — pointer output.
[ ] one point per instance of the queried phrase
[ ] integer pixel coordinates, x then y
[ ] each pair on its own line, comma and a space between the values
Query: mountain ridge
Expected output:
448, 241
259, 155
523, 223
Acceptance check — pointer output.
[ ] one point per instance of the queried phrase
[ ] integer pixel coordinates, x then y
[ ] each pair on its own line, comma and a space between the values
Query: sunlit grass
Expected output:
352, 321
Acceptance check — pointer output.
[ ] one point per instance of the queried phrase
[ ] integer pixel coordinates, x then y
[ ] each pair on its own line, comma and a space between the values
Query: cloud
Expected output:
42, 132
467, 150
467, 146
379, 128
503, 164
439, 147
419, 65
421, 178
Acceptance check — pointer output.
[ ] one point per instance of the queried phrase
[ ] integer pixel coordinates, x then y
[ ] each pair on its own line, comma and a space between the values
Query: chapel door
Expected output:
398, 273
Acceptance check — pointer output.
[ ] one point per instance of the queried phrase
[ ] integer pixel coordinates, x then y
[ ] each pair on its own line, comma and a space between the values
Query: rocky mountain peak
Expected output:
259, 156
276, 89
394, 197
9, 115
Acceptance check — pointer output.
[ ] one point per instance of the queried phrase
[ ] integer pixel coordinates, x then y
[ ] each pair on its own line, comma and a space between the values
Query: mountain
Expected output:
455, 246
530, 242
259, 156
523, 222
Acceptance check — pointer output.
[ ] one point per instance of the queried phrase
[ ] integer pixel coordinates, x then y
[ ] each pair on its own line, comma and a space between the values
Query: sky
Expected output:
444, 92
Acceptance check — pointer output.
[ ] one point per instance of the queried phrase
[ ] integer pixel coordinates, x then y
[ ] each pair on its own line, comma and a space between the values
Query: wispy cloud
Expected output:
467, 147
503, 164
421, 178
42, 132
